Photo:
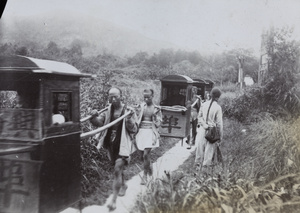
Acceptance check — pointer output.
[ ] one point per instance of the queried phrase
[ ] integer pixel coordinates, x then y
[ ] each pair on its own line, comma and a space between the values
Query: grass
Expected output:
261, 174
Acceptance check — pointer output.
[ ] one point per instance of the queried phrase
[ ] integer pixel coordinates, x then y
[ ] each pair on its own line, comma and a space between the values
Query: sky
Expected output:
212, 25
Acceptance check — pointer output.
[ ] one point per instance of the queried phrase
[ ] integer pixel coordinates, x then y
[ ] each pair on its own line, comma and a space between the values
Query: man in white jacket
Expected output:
210, 115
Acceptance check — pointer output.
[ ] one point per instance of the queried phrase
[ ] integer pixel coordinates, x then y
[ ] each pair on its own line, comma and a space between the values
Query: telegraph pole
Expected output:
241, 74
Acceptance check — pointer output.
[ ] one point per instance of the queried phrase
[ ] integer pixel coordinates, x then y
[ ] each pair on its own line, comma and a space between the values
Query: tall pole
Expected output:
221, 76
241, 74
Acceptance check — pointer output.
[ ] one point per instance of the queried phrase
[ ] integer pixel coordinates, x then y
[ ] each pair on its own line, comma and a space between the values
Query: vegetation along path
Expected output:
169, 162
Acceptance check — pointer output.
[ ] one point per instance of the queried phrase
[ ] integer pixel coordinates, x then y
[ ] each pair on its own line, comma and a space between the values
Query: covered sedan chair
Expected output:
201, 85
39, 135
176, 92
210, 85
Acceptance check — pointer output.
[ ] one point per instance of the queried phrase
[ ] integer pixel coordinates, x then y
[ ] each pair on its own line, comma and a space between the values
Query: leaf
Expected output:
186, 199
273, 185
242, 190
227, 209
263, 200
221, 194
290, 162
251, 210
296, 186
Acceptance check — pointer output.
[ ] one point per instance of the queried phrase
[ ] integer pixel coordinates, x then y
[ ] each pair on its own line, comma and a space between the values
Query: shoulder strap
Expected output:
208, 110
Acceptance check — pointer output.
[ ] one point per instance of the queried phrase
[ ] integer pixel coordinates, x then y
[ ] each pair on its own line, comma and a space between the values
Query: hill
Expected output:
96, 36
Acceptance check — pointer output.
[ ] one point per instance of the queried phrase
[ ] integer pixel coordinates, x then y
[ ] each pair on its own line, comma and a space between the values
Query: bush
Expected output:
279, 94
256, 102
226, 101
229, 87
247, 106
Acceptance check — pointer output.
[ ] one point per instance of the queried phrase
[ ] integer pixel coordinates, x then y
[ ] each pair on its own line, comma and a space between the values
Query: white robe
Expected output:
204, 149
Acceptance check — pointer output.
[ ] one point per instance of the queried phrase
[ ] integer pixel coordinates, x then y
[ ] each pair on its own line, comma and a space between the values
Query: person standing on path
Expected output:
206, 96
149, 120
204, 149
117, 140
194, 114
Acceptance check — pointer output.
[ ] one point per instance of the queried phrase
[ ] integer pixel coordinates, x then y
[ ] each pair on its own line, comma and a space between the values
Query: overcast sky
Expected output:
215, 25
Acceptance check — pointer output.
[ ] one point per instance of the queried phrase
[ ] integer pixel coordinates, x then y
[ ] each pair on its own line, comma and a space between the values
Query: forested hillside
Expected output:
95, 36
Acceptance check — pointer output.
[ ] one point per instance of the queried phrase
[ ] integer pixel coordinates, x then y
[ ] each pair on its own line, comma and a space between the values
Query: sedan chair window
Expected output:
8, 99
173, 95
61, 111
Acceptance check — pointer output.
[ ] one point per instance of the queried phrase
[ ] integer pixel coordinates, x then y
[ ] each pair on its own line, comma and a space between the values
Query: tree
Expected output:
22, 51
283, 71
52, 50
165, 58
138, 58
194, 57
183, 67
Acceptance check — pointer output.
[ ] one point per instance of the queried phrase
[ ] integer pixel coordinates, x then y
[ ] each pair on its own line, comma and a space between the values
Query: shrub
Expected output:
279, 93
280, 88
247, 106
229, 87
226, 101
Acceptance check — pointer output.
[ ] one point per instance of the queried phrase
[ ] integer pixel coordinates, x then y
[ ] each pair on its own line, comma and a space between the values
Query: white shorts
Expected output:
144, 138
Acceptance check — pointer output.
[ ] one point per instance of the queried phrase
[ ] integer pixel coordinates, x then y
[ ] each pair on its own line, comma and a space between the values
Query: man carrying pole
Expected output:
196, 100
149, 120
117, 139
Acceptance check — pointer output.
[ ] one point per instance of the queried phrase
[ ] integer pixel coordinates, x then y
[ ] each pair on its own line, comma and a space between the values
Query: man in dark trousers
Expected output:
194, 113
117, 140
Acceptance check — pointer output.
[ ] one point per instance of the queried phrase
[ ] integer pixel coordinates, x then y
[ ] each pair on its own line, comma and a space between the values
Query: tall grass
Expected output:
261, 174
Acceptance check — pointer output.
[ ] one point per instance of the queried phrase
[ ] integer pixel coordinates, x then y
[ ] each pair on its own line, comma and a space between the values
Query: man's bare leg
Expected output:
124, 186
117, 183
147, 165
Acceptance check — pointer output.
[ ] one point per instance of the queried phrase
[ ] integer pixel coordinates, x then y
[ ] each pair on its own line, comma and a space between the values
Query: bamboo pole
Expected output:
174, 108
93, 132
89, 117
195, 102
178, 108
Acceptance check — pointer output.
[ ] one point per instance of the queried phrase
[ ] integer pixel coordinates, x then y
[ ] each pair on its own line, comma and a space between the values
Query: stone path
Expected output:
170, 161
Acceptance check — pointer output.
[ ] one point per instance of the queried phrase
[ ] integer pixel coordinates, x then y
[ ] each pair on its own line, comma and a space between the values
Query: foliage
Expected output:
176, 193
224, 67
245, 107
256, 177
283, 56
218, 67
279, 95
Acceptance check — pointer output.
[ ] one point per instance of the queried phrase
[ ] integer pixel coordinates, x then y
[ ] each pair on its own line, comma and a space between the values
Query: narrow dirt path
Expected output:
170, 161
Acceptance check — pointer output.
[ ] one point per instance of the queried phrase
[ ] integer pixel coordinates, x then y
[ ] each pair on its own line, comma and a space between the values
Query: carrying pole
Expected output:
89, 117
94, 132
198, 98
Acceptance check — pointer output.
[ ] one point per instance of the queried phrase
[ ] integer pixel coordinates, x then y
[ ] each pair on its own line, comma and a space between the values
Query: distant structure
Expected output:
264, 63
248, 80
241, 60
